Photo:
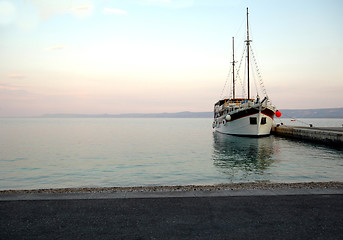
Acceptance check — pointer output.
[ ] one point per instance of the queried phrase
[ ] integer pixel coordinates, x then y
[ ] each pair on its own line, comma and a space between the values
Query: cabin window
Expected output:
263, 120
253, 121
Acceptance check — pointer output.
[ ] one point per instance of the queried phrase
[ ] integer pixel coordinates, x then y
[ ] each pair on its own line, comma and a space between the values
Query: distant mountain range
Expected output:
286, 113
313, 113
135, 115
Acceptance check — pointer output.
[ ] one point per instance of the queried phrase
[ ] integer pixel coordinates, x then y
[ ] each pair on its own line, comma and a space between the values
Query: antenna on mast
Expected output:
248, 51
233, 67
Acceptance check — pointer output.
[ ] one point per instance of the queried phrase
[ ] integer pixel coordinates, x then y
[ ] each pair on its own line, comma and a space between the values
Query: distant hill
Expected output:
134, 115
313, 113
286, 113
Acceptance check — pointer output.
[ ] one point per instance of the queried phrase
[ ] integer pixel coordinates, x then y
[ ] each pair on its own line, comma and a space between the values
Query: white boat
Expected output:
244, 116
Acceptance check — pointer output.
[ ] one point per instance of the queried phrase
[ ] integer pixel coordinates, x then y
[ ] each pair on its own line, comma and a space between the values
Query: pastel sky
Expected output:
150, 56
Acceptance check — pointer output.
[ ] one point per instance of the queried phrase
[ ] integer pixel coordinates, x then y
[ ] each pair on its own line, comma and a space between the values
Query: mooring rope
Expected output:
295, 119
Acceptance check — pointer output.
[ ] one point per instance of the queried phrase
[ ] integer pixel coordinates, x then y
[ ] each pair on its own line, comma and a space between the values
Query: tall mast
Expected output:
233, 67
248, 51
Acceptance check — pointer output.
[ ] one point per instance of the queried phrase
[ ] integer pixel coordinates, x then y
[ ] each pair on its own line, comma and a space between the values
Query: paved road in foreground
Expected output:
240, 217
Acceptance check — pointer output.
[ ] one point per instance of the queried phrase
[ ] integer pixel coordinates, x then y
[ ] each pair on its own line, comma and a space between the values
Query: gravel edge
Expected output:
187, 188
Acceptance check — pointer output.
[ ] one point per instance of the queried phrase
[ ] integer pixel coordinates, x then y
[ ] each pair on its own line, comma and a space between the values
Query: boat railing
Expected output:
234, 105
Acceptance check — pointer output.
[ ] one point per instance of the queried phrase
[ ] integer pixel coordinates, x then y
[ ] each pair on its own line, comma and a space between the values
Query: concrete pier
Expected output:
327, 135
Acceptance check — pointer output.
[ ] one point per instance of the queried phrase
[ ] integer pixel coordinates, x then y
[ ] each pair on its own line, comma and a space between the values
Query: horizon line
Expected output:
161, 114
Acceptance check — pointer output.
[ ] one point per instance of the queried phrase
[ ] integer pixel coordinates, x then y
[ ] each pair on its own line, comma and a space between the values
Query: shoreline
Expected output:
186, 188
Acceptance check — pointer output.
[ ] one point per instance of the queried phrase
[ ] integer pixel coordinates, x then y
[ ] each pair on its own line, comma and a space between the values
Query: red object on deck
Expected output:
278, 113
292, 120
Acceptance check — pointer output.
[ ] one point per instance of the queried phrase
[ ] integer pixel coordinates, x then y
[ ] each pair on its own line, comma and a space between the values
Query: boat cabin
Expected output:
225, 106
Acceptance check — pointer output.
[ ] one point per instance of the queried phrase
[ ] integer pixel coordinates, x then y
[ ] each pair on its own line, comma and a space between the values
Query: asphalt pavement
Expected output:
258, 215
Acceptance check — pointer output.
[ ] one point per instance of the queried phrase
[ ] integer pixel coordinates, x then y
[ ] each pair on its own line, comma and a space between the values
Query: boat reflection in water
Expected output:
243, 158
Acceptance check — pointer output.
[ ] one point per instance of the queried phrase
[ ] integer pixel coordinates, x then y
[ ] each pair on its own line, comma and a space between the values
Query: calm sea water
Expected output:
100, 152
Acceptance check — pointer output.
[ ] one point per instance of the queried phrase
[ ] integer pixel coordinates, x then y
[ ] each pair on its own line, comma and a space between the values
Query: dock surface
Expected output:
326, 135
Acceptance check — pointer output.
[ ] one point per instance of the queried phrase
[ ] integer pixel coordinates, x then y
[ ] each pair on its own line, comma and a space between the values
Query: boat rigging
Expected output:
244, 116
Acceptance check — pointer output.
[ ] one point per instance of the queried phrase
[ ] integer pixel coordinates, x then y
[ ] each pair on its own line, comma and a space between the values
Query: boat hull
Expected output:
257, 123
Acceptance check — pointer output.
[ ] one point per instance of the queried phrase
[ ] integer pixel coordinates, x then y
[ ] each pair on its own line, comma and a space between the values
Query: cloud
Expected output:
77, 94
7, 12
86, 7
158, 1
24, 16
169, 3
81, 11
16, 75
58, 47
14, 93
13, 88
51, 8
6, 87
115, 11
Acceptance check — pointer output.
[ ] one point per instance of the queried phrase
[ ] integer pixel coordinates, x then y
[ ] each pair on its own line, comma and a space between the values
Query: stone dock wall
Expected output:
324, 135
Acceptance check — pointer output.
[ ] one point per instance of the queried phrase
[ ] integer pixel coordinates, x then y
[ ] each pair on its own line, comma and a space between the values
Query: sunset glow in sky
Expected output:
150, 56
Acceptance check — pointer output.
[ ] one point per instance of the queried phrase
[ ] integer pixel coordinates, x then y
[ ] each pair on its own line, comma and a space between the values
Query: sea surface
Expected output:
106, 152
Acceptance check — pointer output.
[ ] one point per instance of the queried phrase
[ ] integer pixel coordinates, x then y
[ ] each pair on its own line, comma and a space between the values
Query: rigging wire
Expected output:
240, 27
259, 73
255, 82
226, 81
257, 69
238, 75
226, 85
